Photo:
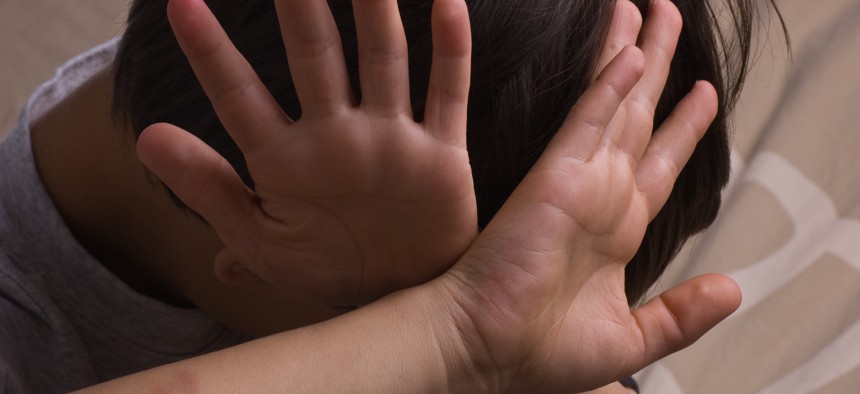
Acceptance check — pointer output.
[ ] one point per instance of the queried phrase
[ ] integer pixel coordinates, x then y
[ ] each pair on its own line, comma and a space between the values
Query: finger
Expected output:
680, 316
198, 175
315, 56
448, 92
242, 102
674, 143
383, 56
623, 31
658, 41
583, 130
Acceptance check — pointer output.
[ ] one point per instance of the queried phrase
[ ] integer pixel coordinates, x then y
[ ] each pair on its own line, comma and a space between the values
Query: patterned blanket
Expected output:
789, 232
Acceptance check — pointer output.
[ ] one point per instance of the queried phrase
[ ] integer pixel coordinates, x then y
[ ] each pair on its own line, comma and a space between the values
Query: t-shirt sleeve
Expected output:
37, 354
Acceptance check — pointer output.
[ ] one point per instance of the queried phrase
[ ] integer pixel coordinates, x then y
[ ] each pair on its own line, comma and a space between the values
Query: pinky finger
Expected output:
673, 144
448, 92
198, 175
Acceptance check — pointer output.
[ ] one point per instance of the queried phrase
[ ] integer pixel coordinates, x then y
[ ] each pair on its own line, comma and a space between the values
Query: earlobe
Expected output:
231, 272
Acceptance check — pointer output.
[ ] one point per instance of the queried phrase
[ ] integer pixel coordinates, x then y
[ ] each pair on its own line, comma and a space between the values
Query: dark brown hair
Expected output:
532, 59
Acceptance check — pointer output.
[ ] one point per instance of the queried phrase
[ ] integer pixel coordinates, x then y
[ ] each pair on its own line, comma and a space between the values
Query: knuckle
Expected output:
231, 94
383, 56
611, 91
308, 48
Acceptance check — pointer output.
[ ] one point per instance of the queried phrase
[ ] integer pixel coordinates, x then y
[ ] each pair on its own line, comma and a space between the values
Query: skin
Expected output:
307, 232
536, 302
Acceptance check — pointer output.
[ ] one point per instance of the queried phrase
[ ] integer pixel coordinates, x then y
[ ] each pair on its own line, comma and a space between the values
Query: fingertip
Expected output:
668, 13
156, 129
626, 22
153, 140
174, 9
176, 157
189, 22
629, 16
701, 303
637, 58
709, 91
722, 289
705, 86
450, 10
707, 99
179, 11
631, 62
697, 109
451, 28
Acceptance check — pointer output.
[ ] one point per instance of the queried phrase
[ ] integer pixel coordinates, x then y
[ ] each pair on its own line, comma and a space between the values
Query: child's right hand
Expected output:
538, 300
353, 200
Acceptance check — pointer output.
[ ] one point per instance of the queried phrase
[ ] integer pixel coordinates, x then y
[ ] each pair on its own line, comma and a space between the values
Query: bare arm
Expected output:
537, 302
405, 343
394, 345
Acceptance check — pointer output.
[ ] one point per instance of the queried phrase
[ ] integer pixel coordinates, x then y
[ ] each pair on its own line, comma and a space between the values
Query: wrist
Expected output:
466, 359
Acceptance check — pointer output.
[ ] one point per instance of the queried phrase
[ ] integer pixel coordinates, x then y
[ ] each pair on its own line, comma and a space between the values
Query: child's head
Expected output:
531, 61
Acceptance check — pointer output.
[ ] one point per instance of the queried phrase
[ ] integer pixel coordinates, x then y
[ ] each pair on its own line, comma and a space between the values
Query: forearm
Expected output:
395, 345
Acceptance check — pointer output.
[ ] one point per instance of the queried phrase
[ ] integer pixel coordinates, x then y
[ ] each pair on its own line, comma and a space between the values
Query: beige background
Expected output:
789, 231
37, 36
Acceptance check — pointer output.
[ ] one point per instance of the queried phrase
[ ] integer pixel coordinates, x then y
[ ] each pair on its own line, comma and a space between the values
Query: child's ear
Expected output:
230, 271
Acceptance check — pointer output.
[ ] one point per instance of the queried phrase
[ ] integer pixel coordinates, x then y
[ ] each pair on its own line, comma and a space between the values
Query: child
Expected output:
566, 239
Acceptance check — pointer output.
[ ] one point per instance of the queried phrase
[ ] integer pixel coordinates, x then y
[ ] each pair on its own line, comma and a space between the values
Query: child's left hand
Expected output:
352, 200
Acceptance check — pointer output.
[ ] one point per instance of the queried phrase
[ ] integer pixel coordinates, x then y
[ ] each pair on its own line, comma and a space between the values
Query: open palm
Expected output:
541, 291
352, 200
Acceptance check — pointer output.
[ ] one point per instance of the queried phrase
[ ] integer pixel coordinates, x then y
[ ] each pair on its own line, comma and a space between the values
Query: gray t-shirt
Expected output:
65, 321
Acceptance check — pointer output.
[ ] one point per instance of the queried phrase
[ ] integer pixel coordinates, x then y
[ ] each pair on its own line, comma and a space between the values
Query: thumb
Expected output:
199, 176
680, 316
